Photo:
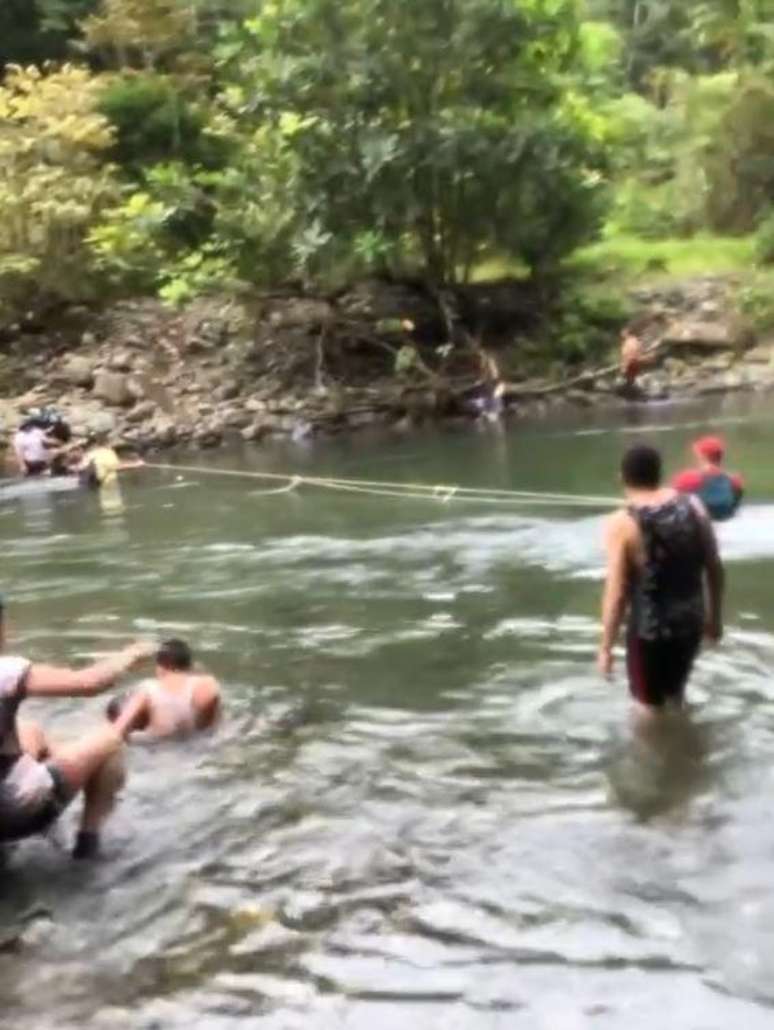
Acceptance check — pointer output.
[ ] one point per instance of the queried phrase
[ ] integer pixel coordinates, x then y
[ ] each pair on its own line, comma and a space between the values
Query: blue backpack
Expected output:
719, 496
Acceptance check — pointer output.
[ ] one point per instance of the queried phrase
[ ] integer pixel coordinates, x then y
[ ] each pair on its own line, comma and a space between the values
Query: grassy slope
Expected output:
630, 258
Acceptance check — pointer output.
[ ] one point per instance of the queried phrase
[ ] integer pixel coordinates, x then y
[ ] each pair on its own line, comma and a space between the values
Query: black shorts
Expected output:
659, 669
17, 823
35, 468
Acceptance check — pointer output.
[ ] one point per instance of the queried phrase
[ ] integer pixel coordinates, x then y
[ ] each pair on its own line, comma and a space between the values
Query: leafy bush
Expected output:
154, 122
53, 184
756, 303
435, 126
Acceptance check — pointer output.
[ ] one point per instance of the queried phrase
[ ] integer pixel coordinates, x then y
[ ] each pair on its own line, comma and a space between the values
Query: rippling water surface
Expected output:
424, 810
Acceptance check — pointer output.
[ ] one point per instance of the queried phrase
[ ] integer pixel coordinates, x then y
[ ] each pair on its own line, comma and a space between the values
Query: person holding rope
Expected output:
661, 558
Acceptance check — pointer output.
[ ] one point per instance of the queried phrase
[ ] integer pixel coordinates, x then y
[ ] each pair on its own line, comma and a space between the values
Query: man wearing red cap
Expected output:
720, 492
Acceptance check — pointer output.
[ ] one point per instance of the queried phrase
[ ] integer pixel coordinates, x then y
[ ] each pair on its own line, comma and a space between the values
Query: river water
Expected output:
424, 810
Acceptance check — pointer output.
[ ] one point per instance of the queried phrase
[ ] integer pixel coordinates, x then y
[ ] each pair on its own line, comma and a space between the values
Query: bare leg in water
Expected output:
94, 764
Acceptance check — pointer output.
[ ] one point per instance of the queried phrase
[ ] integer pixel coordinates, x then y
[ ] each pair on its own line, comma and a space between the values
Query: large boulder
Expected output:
761, 355
697, 334
113, 388
77, 371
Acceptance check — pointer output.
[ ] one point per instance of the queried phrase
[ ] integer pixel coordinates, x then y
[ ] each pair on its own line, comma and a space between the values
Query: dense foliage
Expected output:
187, 145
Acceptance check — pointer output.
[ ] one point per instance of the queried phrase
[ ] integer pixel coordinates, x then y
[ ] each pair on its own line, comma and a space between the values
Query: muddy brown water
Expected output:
424, 810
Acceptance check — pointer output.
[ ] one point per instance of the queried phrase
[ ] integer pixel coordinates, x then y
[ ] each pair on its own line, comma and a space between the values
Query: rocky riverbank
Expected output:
291, 365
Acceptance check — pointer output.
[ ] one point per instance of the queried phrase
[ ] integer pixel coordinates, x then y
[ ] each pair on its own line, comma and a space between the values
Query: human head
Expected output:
641, 468
709, 449
174, 656
99, 437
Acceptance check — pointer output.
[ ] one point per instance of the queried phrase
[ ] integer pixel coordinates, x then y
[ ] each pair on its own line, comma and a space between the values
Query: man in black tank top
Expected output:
663, 567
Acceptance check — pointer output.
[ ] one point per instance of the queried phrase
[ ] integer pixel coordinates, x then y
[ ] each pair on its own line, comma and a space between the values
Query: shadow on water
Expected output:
665, 763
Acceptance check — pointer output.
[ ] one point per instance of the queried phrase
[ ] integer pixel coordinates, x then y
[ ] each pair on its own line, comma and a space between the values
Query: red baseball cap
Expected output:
711, 448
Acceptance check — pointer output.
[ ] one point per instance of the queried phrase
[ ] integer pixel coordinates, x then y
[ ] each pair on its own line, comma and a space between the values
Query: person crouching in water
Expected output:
720, 492
178, 702
100, 465
37, 782
661, 555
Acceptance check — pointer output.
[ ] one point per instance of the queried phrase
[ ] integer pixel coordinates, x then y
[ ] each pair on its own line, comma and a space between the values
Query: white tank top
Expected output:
172, 711
30, 444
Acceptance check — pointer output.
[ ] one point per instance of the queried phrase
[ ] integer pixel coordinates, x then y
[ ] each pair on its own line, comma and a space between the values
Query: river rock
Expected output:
238, 419
761, 355
136, 388
142, 411
702, 335
113, 388
121, 361
163, 431
198, 345
78, 371
253, 432
88, 421
717, 363
298, 312
208, 438
228, 390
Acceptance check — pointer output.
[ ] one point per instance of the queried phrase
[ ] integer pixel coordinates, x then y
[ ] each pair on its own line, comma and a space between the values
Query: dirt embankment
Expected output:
375, 353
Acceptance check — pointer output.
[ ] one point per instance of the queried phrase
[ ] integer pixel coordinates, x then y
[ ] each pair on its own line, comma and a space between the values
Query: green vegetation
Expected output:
184, 146
631, 257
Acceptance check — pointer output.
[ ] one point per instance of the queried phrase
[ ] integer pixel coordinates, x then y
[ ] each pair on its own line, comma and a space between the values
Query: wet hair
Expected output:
641, 467
174, 655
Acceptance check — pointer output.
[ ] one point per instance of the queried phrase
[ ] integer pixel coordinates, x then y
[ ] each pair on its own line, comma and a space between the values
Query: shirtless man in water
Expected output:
38, 781
663, 566
178, 702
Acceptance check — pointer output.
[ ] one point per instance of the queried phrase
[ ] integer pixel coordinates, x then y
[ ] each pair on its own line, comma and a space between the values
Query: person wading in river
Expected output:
661, 555
720, 492
37, 782
178, 702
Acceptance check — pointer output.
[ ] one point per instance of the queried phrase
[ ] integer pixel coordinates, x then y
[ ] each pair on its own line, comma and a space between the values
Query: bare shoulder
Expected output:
620, 527
206, 689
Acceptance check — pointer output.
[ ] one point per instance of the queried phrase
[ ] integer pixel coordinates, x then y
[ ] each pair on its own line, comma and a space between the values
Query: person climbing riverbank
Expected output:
661, 554
720, 492
38, 781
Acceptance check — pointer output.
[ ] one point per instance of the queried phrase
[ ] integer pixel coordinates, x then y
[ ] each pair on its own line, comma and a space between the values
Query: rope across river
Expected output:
440, 492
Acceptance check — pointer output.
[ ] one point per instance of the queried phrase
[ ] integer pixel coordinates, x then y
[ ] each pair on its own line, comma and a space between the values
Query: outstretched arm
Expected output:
53, 681
614, 595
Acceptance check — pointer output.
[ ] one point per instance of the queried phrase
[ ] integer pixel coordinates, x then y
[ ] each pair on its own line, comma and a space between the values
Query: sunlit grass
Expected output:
629, 257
